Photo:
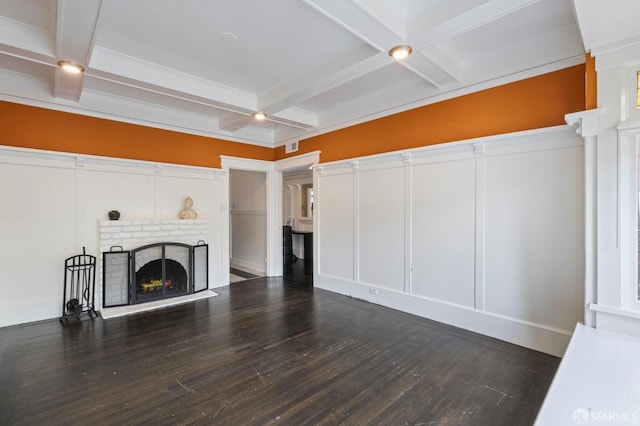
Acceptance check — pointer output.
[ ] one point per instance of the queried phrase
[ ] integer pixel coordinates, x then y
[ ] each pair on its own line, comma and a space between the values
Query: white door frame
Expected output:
273, 170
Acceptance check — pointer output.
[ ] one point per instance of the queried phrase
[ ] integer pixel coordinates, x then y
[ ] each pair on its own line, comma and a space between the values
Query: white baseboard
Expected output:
530, 335
247, 264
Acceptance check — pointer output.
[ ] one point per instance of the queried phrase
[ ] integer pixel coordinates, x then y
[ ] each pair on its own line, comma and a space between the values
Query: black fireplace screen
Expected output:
153, 272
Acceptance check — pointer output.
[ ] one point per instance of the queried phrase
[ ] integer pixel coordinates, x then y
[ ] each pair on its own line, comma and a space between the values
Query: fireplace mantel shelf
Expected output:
153, 222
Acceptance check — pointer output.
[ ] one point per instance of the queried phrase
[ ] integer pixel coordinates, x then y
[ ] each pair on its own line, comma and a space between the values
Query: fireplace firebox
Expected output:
153, 272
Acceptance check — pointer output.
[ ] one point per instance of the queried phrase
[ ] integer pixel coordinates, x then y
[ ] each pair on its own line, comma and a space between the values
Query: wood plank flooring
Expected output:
265, 353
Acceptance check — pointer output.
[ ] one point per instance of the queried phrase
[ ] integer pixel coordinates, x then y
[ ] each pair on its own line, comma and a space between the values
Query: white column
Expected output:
587, 122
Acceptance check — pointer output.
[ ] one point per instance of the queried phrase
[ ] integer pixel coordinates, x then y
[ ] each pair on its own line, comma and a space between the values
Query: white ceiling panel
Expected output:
273, 39
605, 22
512, 31
386, 79
36, 13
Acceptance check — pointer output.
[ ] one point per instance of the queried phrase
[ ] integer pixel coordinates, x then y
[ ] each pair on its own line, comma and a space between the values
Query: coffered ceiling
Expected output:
205, 66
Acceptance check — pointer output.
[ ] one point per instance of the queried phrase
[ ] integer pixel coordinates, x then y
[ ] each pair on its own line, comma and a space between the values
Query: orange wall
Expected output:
532, 103
591, 83
31, 127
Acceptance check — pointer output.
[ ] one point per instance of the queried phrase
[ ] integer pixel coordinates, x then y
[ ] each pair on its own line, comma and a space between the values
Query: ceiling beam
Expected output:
357, 21
308, 85
126, 70
423, 31
364, 25
293, 117
296, 117
232, 122
24, 37
387, 13
444, 62
382, 27
26, 42
75, 35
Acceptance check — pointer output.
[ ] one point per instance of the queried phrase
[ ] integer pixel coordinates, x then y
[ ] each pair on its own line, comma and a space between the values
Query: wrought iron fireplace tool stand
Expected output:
79, 287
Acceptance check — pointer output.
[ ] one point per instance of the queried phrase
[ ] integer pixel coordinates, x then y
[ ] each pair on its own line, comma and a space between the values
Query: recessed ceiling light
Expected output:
260, 116
400, 52
71, 67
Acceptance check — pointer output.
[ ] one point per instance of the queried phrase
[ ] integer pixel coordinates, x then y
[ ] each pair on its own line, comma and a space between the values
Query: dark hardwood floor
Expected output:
299, 275
260, 353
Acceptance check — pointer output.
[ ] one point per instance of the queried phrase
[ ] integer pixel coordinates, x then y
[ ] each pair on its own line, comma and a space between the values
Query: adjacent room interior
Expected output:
315, 211
247, 224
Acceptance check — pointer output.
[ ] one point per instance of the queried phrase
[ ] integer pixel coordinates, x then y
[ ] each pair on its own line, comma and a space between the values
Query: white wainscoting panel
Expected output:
485, 234
534, 237
381, 212
57, 201
443, 231
132, 194
336, 227
37, 229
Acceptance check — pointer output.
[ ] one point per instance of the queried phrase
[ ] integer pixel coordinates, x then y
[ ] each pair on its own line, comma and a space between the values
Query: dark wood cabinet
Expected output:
287, 247
308, 246
288, 257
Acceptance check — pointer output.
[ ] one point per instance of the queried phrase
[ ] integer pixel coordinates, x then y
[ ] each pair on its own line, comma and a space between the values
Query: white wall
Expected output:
53, 202
486, 235
248, 202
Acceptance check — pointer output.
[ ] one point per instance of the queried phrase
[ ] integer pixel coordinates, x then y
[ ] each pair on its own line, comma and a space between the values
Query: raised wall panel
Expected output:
534, 237
130, 193
203, 192
37, 228
336, 226
443, 231
381, 228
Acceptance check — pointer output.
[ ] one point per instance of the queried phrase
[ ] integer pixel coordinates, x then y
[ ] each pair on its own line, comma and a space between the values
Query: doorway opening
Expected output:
298, 203
247, 224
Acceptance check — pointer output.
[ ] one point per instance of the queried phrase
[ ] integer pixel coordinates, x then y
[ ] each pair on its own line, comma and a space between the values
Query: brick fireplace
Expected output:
149, 260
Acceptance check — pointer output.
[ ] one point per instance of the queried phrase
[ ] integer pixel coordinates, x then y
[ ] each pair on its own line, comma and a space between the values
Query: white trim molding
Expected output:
628, 153
586, 123
303, 160
274, 184
611, 134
